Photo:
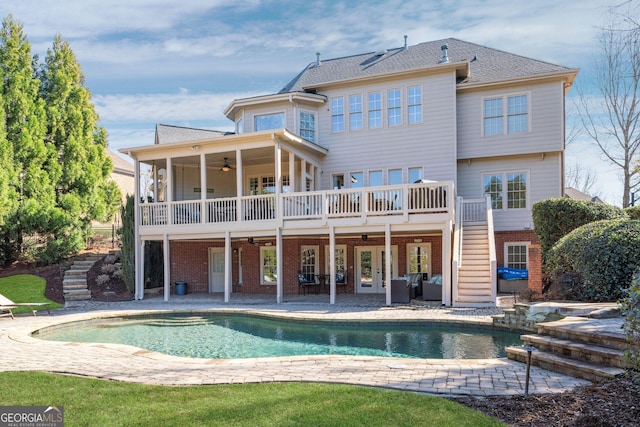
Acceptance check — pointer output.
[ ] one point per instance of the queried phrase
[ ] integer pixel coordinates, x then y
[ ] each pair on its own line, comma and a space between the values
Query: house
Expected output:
418, 159
576, 194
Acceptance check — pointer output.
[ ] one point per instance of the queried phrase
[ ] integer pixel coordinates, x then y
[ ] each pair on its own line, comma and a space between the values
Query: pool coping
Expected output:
119, 362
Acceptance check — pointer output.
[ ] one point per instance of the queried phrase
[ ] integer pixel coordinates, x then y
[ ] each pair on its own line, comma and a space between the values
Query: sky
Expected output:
182, 62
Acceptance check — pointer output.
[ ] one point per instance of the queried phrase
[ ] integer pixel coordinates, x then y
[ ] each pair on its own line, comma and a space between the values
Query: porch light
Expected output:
365, 237
250, 240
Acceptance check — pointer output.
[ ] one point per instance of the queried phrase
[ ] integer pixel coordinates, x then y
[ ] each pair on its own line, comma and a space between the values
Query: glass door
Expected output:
371, 265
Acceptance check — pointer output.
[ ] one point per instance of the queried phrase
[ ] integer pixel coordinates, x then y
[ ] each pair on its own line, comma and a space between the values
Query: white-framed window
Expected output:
357, 180
375, 178
337, 181
268, 121
355, 112
509, 186
308, 126
309, 261
267, 184
516, 119
375, 110
340, 259
414, 104
395, 176
516, 255
419, 258
337, 114
240, 126
394, 109
268, 265
415, 174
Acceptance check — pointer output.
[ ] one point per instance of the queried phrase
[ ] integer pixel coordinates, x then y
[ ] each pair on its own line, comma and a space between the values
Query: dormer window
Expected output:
269, 121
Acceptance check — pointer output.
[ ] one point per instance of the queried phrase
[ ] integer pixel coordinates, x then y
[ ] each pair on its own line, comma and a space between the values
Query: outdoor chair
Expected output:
7, 306
341, 280
304, 282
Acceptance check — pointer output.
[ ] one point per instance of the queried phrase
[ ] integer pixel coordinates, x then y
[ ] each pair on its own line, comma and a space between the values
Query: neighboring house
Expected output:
574, 194
420, 159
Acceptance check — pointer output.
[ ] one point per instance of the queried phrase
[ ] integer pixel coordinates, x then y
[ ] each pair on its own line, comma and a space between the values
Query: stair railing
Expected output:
492, 250
457, 247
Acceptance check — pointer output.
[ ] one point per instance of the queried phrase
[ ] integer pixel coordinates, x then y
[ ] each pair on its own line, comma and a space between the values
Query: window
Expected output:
355, 112
516, 255
240, 126
395, 176
309, 261
337, 115
375, 110
515, 192
308, 126
268, 266
356, 180
375, 178
414, 107
267, 185
516, 120
337, 181
393, 107
415, 175
517, 114
418, 258
269, 121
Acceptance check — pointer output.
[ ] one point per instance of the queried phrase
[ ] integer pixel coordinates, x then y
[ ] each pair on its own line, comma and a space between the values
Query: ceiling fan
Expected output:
226, 167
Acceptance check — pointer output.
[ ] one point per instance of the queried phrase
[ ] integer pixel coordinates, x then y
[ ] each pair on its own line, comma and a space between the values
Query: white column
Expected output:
387, 261
137, 242
239, 184
293, 181
168, 194
279, 284
227, 265
446, 263
139, 268
203, 187
167, 270
332, 265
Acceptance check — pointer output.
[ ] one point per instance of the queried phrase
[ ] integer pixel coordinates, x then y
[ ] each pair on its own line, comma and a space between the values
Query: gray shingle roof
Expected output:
489, 65
168, 133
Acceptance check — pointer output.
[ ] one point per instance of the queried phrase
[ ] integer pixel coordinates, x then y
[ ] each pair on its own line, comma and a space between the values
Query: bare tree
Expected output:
614, 124
582, 178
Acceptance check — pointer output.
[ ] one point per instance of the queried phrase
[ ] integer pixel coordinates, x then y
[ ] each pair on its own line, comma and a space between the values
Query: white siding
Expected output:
544, 181
430, 144
546, 122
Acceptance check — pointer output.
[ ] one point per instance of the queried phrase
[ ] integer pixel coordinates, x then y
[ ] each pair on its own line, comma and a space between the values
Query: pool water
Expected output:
230, 336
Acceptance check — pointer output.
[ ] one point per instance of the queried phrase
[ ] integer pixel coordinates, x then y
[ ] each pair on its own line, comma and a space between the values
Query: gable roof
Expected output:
170, 133
120, 165
486, 65
576, 194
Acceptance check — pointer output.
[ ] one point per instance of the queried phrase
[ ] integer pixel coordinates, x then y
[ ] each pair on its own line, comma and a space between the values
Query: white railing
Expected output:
456, 262
492, 250
474, 210
221, 210
421, 198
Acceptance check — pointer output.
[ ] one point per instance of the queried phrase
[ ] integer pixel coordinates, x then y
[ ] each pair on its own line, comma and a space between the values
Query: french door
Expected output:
371, 268
216, 270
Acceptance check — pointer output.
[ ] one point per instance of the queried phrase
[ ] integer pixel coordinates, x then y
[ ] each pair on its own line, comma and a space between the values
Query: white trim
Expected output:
388, 125
263, 249
273, 113
316, 258
362, 113
505, 113
505, 195
421, 121
429, 258
331, 115
506, 255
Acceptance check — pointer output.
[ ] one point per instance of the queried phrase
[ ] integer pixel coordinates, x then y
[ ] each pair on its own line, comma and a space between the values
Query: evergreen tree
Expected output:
24, 122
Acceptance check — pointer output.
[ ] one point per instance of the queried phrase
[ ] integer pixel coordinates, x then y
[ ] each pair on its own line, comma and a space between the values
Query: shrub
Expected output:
605, 253
103, 279
110, 259
108, 268
633, 212
555, 218
118, 274
631, 325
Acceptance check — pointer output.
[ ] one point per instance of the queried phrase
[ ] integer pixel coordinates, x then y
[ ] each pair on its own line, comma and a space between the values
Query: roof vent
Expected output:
318, 59
405, 41
445, 58
381, 52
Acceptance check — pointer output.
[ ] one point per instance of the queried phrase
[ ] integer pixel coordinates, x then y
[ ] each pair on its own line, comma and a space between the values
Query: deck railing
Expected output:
421, 198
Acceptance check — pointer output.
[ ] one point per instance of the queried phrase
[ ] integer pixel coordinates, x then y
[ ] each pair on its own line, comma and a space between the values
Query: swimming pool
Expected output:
241, 335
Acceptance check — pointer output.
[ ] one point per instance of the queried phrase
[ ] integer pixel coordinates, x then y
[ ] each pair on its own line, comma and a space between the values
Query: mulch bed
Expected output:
614, 403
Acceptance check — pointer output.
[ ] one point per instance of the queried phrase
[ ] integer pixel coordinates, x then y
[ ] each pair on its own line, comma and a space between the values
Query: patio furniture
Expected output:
304, 281
432, 288
6, 306
341, 280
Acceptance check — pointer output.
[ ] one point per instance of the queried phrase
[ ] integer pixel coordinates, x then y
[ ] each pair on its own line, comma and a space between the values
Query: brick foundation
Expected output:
535, 253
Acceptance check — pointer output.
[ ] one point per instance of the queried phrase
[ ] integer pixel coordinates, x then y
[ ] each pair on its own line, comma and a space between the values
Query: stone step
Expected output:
75, 273
74, 286
77, 297
577, 350
82, 264
565, 365
75, 281
612, 340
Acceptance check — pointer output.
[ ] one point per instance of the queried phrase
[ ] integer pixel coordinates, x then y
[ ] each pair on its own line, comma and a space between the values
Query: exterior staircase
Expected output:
74, 283
474, 275
588, 354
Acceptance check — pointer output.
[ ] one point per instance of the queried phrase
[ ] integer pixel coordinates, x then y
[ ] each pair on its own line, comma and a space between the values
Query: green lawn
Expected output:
25, 288
92, 402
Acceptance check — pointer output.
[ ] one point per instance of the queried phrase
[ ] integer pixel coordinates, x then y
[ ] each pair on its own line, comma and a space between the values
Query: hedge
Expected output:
633, 212
554, 218
605, 256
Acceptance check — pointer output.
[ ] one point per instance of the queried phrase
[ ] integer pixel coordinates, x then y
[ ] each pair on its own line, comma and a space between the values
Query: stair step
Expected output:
578, 350
474, 294
565, 365
615, 341
79, 297
71, 274
74, 286
74, 281
463, 286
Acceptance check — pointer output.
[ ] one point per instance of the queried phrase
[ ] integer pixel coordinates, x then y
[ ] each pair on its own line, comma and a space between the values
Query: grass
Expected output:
89, 402
25, 288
